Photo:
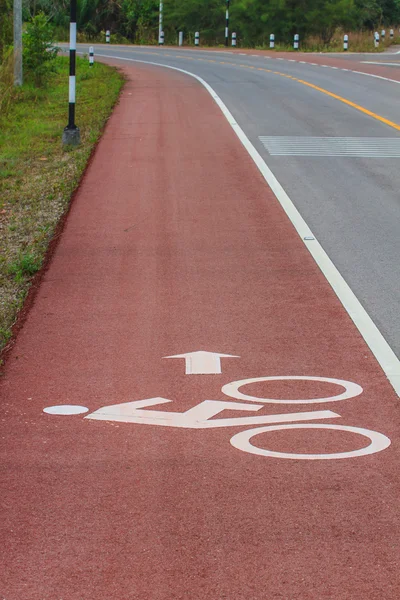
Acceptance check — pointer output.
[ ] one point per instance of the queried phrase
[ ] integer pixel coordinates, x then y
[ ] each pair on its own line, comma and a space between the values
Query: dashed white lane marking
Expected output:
341, 69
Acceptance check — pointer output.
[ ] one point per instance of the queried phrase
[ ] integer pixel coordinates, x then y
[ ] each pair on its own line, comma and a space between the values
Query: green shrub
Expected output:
6, 81
25, 265
39, 50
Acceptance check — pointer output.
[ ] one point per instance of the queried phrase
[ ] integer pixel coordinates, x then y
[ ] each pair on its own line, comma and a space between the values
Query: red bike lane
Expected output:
175, 245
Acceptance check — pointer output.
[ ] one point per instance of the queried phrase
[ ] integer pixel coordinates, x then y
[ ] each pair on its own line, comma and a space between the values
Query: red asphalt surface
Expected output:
174, 243
340, 63
322, 58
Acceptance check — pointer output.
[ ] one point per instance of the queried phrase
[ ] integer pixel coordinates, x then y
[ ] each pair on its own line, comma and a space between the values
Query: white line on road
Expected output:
377, 62
202, 362
331, 146
200, 416
372, 75
369, 331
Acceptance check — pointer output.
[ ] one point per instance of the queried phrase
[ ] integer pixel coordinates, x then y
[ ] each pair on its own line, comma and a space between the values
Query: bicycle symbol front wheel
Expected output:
378, 441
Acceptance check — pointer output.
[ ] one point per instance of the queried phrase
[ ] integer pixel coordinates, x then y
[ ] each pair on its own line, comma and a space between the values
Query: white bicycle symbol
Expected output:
201, 417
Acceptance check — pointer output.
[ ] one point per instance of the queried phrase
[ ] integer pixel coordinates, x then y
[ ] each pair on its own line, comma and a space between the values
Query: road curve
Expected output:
188, 411
350, 203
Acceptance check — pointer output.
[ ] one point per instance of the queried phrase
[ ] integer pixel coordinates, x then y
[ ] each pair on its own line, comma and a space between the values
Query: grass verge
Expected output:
38, 176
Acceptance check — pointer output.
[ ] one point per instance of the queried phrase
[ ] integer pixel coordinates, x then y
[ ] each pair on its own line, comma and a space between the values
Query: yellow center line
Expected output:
349, 103
307, 83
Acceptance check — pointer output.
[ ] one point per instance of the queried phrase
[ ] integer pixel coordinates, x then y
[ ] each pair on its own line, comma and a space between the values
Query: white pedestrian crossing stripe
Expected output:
332, 146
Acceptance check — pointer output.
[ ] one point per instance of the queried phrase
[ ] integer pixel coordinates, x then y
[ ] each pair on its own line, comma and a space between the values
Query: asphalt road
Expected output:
352, 204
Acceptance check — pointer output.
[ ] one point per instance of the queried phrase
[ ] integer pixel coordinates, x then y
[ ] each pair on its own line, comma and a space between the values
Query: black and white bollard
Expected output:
272, 41
383, 35
296, 41
108, 37
160, 23
180, 41
196, 38
227, 24
346, 43
233, 38
391, 34
71, 135
161, 39
376, 39
91, 56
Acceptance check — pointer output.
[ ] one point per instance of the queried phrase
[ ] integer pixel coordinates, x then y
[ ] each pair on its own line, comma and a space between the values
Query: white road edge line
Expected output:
365, 325
376, 62
375, 76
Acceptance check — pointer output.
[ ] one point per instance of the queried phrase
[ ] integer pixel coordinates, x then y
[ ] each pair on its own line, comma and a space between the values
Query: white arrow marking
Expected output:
202, 362
198, 417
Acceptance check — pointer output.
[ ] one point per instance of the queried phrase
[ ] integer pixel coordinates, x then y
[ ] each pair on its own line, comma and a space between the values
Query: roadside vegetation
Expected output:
38, 175
320, 23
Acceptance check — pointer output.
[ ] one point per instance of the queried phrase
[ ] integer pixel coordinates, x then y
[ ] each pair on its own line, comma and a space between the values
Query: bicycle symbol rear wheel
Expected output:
242, 441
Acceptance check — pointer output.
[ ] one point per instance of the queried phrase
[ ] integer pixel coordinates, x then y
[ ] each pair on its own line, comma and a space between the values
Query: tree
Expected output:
253, 20
139, 19
39, 50
327, 15
6, 25
205, 16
